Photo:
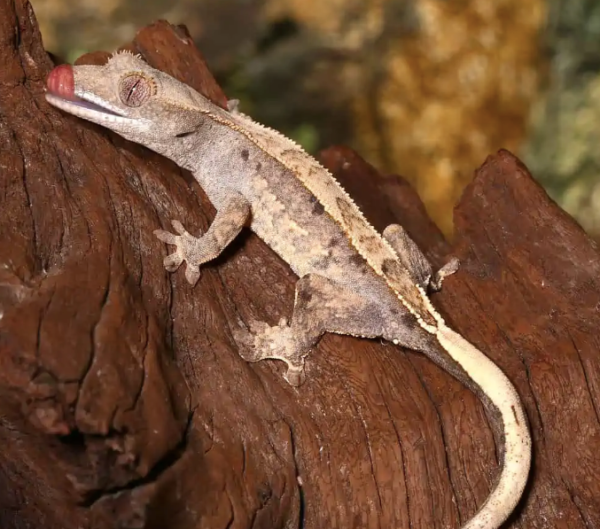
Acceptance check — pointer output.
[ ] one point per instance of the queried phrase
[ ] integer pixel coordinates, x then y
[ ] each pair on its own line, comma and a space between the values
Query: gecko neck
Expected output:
184, 151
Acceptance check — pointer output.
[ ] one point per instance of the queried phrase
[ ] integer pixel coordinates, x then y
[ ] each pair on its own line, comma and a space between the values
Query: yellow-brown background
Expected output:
423, 88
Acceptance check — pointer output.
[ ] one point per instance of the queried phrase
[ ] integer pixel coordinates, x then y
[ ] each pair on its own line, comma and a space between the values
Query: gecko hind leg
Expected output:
320, 306
412, 258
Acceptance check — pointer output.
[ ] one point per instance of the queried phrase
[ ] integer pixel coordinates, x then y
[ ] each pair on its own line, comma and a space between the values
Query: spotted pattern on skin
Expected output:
318, 208
337, 203
298, 246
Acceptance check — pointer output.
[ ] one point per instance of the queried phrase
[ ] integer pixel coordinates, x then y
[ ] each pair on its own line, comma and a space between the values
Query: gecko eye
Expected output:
135, 89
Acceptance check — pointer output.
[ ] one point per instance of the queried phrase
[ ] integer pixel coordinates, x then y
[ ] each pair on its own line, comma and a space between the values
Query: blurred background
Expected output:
422, 88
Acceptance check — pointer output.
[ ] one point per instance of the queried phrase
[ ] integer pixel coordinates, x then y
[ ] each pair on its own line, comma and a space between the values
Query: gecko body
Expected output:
352, 280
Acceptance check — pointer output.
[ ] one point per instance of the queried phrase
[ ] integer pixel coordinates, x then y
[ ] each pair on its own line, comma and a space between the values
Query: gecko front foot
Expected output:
189, 249
278, 342
451, 267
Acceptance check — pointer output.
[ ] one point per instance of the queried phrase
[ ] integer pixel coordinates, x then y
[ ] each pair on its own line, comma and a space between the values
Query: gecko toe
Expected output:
172, 261
165, 236
245, 340
178, 227
192, 273
295, 376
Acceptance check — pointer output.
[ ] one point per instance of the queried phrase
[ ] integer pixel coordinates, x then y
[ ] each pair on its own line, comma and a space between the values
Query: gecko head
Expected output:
130, 97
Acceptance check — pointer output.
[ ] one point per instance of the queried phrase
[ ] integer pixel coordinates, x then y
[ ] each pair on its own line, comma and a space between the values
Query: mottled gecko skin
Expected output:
352, 279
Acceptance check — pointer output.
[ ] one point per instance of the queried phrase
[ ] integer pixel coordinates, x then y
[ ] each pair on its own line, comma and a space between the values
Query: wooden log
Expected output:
125, 402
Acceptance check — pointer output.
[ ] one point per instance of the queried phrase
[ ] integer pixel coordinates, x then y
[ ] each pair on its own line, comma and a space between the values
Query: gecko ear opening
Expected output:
184, 134
185, 125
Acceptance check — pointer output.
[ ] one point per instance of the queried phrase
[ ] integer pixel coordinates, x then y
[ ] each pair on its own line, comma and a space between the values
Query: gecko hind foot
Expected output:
278, 342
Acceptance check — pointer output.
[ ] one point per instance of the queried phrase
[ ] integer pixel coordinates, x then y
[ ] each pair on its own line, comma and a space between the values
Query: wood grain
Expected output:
125, 403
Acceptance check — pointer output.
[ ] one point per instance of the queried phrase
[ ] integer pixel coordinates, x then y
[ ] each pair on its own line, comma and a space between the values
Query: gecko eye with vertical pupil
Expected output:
135, 89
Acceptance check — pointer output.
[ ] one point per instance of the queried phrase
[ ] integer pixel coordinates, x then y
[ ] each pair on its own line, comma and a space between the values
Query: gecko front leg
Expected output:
195, 251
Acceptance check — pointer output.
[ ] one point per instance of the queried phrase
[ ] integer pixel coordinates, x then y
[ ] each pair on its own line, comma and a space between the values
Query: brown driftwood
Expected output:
125, 403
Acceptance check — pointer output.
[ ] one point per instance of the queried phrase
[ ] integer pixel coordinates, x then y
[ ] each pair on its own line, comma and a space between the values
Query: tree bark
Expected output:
125, 402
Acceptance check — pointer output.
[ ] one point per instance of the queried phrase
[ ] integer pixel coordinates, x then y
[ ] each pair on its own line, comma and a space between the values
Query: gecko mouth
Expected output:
79, 106
85, 108
61, 93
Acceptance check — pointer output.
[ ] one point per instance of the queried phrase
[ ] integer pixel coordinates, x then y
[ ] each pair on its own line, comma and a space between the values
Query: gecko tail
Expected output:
501, 393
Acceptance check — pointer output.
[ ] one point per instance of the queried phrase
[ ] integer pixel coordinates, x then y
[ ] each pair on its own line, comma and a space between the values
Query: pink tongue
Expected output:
60, 82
